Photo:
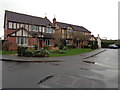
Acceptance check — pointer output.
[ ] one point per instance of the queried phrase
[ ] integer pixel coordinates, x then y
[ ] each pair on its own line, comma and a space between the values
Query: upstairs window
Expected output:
18, 25
69, 31
26, 26
35, 28
49, 30
21, 25
40, 29
14, 25
10, 24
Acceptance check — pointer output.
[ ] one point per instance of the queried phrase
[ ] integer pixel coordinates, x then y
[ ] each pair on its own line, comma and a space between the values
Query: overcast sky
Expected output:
98, 16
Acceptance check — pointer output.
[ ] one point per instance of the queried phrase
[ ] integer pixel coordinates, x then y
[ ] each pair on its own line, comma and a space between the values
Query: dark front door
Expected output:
40, 43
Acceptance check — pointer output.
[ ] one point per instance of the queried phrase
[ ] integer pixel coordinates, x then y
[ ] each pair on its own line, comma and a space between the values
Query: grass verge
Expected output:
70, 52
8, 52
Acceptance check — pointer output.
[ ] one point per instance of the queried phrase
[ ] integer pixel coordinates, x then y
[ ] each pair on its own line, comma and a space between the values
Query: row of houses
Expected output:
27, 30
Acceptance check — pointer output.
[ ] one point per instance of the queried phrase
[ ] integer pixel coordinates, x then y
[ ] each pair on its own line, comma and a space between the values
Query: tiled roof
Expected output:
75, 27
23, 18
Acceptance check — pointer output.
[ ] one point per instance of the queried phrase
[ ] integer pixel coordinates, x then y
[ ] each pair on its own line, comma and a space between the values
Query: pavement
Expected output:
16, 58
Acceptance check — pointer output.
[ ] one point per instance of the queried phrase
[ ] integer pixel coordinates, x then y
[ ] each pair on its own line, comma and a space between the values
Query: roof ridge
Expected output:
70, 24
23, 14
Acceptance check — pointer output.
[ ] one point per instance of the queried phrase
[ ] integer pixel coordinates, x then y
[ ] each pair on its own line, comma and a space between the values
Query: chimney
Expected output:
45, 15
54, 20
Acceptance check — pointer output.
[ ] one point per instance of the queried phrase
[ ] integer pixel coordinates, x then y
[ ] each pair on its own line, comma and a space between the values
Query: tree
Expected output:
57, 38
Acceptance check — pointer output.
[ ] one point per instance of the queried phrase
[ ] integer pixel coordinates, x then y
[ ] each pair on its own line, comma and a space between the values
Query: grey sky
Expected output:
98, 16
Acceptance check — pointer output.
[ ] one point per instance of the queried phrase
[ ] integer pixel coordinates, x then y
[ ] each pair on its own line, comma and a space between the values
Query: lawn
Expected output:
67, 52
70, 52
8, 52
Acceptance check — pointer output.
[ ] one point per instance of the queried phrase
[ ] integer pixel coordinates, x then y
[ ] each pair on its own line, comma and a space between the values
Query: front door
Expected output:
40, 43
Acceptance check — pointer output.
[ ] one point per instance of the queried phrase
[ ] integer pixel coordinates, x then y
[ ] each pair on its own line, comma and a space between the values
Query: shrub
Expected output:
30, 52
85, 46
72, 46
61, 46
41, 53
36, 46
55, 49
65, 48
21, 51
46, 47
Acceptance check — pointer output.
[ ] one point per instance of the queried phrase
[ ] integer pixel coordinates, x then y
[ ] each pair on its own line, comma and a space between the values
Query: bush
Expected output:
85, 46
36, 46
65, 48
72, 46
41, 53
105, 44
30, 52
46, 47
21, 51
61, 46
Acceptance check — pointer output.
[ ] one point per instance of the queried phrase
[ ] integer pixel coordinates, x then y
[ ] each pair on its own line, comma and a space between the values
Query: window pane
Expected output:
30, 28
14, 25
39, 29
10, 25
43, 29
21, 25
18, 25
26, 26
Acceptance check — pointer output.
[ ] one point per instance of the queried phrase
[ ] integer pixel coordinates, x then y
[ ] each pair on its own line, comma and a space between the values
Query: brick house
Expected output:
66, 30
27, 30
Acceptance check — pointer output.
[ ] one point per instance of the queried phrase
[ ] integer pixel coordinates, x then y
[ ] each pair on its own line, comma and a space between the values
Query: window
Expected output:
18, 25
69, 31
67, 42
10, 25
40, 29
43, 29
21, 25
26, 26
22, 41
30, 28
14, 25
49, 30
48, 42
35, 28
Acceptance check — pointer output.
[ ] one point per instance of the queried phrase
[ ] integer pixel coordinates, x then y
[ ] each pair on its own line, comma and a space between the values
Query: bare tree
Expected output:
57, 38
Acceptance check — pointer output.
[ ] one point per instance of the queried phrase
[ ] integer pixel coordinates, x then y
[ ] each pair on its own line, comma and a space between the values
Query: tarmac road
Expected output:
71, 73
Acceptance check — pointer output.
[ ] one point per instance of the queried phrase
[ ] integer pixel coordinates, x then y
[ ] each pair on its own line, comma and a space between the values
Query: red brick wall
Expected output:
13, 45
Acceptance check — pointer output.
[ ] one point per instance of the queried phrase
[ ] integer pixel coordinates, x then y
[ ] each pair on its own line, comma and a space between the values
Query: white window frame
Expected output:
10, 25
48, 42
19, 41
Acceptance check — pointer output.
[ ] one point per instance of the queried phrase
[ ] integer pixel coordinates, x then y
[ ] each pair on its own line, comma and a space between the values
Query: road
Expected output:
71, 73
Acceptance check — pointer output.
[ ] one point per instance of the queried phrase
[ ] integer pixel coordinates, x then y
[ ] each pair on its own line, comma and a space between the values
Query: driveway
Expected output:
73, 72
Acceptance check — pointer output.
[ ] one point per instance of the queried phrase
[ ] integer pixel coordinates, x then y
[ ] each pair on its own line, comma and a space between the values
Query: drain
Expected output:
46, 78
89, 62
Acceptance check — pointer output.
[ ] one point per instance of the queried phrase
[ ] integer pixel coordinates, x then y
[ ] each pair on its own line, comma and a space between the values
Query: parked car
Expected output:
113, 46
